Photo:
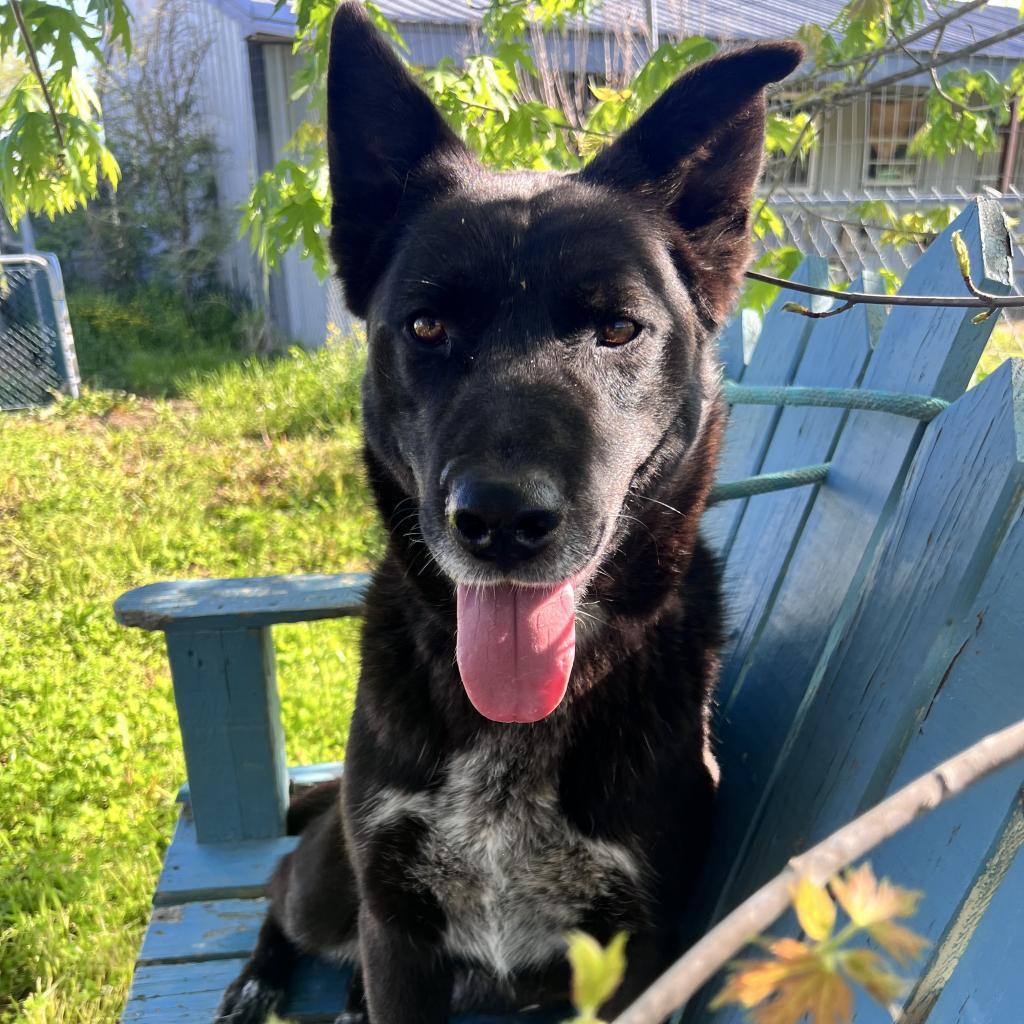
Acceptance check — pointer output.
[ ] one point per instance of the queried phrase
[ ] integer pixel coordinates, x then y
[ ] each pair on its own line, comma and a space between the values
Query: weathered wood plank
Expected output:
190, 994
179, 994
959, 852
195, 871
193, 605
987, 986
774, 361
225, 690
898, 641
835, 356
919, 351
212, 930
298, 775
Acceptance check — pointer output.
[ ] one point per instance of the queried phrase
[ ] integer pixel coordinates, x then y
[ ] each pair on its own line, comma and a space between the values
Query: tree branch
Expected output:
940, 23
980, 299
33, 57
955, 103
820, 864
841, 96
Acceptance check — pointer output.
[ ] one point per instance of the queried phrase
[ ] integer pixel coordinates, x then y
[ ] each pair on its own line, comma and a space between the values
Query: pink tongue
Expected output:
515, 647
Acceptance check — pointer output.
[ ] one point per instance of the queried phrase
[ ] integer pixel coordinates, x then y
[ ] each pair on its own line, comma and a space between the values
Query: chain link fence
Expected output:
37, 350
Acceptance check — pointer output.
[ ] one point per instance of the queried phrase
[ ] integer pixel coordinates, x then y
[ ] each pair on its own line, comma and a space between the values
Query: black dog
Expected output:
529, 751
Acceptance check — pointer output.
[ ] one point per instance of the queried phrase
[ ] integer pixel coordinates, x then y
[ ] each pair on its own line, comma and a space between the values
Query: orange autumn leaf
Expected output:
822, 996
810, 981
753, 981
868, 969
814, 909
903, 945
868, 901
788, 949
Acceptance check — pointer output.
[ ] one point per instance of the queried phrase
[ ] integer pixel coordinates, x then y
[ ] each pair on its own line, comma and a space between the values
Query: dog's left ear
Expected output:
696, 155
388, 149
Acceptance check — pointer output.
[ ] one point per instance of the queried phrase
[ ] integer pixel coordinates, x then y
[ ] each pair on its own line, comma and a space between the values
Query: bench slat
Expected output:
774, 361
195, 871
926, 351
190, 994
179, 994
960, 852
240, 603
213, 930
738, 337
987, 986
899, 644
836, 356
298, 775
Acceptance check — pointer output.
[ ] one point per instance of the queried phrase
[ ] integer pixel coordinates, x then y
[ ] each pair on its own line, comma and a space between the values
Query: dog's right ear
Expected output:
388, 150
696, 155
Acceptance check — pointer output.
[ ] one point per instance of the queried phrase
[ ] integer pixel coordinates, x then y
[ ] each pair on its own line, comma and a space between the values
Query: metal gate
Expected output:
37, 350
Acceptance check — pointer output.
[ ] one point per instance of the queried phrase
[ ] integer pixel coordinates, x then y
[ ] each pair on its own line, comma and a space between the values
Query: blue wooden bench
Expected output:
876, 628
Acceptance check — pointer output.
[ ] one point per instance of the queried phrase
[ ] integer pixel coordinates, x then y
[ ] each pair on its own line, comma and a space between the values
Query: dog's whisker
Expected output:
647, 497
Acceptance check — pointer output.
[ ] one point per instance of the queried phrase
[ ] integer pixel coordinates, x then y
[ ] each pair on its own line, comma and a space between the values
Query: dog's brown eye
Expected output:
428, 329
619, 331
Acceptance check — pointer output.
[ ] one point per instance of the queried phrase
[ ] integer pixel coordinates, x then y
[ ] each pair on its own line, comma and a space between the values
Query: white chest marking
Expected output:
510, 871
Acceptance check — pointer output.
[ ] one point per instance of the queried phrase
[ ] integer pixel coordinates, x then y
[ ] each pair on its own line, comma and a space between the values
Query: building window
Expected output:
892, 123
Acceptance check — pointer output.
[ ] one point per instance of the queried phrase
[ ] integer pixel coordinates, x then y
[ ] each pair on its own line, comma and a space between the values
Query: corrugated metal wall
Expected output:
228, 108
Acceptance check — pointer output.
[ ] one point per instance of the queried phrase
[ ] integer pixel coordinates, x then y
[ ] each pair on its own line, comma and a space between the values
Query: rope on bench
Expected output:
765, 483
917, 407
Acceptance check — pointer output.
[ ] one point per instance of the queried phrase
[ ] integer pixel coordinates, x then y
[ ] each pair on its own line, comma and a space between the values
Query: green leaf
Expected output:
963, 257
596, 972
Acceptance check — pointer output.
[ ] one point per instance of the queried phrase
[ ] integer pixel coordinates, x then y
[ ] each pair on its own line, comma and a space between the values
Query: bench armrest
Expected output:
190, 605
225, 686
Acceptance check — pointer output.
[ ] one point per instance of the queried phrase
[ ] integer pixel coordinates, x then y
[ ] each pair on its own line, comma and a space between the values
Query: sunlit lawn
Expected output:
254, 470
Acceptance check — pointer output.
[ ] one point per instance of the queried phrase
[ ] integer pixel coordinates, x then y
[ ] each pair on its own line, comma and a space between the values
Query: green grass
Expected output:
255, 469
149, 343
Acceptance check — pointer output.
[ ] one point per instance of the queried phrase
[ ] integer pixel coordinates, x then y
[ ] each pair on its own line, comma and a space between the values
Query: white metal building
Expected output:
863, 151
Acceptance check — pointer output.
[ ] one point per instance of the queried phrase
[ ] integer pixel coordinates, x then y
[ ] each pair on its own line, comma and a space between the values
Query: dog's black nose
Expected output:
503, 521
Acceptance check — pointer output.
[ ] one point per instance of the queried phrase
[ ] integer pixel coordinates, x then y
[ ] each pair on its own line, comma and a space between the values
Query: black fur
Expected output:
524, 270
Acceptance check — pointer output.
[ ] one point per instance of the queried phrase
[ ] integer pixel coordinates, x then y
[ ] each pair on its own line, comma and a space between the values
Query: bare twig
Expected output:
987, 301
955, 103
820, 864
983, 300
33, 57
795, 307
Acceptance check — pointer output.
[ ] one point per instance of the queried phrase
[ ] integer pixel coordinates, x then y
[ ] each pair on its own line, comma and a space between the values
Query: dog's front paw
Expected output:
248, 1000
